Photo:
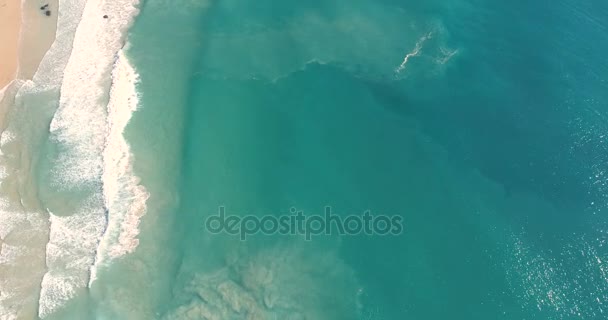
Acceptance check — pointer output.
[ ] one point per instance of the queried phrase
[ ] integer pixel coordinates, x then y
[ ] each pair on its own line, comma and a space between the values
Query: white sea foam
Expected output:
90, 136
6, 137
22, 236
79, 63
16, 223
70, 254
414, 52
125, 199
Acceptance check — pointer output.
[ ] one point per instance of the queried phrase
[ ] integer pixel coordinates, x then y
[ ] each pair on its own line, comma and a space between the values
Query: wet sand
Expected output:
37, 34
26, 35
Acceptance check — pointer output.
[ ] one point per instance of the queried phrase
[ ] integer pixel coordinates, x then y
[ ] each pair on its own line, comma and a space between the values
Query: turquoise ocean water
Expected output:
482, 123
488, 141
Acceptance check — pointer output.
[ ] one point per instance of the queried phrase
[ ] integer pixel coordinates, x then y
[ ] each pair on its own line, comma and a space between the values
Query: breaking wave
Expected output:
54, 236
93, 162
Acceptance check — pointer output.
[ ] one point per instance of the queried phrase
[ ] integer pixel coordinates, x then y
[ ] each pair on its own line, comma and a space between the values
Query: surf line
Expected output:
414, 52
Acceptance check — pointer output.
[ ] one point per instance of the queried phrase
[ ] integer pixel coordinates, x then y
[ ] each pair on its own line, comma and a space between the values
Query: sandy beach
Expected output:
10, 15
26, 35
27, 32
37, 34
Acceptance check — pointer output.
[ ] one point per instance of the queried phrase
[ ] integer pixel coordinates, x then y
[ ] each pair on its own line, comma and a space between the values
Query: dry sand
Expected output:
10, 17
26, 34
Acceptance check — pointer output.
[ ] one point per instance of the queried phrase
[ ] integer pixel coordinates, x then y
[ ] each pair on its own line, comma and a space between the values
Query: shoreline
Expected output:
24, 228
29, 34
37, 35
85, 47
